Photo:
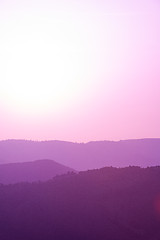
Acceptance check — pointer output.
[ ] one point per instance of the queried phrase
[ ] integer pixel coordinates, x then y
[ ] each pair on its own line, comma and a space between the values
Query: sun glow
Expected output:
79, 70
43, 71
58, 58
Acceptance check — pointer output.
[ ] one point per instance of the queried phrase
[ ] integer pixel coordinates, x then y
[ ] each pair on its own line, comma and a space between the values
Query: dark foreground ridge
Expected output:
40, 170
105, 204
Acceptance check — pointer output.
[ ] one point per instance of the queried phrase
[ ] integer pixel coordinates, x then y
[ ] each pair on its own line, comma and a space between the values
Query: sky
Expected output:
79, 70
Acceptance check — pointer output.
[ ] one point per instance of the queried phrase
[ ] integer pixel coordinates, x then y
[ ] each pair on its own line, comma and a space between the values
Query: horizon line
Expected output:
56, 140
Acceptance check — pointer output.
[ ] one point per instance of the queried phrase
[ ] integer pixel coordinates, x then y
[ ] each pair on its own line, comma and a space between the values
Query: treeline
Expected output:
105, 204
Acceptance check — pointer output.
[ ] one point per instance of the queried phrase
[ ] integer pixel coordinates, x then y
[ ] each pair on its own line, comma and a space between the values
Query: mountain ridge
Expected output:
83, 156
39, 170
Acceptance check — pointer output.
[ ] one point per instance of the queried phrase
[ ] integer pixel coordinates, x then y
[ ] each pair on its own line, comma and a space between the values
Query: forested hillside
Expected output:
110, 203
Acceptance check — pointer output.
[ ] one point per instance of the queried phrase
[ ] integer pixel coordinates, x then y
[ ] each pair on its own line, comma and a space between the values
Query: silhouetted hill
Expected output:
40, 170
110, 203
83, 156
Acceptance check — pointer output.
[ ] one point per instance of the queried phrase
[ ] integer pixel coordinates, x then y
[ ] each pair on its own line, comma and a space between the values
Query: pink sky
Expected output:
79, 70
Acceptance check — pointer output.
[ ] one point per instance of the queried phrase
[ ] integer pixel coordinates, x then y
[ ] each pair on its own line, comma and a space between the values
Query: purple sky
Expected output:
79, 70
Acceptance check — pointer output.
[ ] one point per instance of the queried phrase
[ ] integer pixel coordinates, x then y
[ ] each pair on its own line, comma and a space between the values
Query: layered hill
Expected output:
83, 156
110, 203
40, 170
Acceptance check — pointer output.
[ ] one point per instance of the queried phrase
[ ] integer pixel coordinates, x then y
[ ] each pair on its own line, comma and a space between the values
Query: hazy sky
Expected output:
79, 70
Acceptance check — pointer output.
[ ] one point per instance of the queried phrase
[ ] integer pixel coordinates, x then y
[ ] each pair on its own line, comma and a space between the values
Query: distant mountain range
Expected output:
40, 170
83, 156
